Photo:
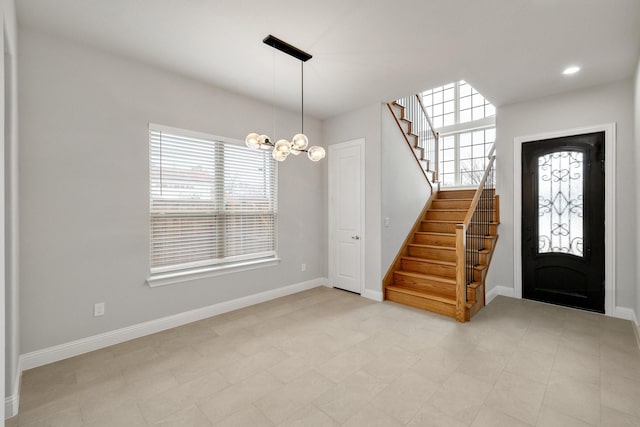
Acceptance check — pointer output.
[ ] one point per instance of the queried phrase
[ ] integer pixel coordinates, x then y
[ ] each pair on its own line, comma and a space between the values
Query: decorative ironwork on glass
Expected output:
561, 203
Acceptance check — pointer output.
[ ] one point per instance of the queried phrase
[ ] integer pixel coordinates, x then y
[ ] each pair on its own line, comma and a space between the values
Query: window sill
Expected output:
171, 278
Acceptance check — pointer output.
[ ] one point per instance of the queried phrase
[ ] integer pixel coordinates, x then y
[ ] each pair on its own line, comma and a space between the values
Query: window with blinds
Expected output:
213, 202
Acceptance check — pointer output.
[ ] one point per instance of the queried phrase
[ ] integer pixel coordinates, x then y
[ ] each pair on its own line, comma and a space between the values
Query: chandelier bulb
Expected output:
283, 146
316, 153
279, 156
253, 141
299, 142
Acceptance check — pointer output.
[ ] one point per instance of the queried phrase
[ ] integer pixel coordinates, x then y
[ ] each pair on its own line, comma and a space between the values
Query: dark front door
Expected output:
563, 221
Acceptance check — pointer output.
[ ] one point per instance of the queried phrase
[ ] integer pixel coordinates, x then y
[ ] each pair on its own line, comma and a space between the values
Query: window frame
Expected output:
178, 273
457, 128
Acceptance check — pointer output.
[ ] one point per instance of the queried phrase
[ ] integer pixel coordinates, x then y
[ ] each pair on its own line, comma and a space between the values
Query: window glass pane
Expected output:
465, 90
437, 97
437, 110
448, 142
465, 103
448, 155
560, 203
449, 94
449, 107
427, 100
478, 151
449, 119
490, 135
430, 111
478, 113
448, 179
478, 100
490, 110
466, 179
448, 167
465, 116
465, 152
465, 139
465, 165
450, 85
478, 137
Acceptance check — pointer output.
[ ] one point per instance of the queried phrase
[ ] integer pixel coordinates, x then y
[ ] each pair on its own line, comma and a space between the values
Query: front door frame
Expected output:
609, 130
332, 267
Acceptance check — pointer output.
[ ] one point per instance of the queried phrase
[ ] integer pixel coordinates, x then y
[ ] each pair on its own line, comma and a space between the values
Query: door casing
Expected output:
609, 129
331, 220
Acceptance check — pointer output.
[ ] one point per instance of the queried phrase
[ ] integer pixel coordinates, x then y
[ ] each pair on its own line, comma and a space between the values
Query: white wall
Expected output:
602, 104
405, 190
10, 276
364, 123
84, 190
637, 169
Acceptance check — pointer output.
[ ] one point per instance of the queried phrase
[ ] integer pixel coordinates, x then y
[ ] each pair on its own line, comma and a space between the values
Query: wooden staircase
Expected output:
425, 271
410, 133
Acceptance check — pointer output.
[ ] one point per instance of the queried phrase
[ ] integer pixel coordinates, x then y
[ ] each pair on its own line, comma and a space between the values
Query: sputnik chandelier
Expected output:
299, 142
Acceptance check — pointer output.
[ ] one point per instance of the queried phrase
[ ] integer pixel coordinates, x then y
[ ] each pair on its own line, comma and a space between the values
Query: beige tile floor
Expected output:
326, 357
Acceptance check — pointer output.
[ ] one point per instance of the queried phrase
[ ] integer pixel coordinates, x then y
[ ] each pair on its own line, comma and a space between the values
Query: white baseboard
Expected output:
626, 314
629, 314
505, 291
372, 295
85, 345
12, 402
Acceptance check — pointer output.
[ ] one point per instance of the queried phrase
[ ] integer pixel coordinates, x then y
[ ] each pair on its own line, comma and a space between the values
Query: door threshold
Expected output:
346, 290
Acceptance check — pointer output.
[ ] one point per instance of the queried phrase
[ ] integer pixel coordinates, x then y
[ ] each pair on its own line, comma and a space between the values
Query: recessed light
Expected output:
571, 70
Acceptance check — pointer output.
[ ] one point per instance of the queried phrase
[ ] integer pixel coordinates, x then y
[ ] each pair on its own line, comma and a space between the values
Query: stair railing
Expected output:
422, 127
471, 235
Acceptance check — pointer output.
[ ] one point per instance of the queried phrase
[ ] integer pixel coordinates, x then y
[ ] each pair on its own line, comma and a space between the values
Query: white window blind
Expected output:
212, 202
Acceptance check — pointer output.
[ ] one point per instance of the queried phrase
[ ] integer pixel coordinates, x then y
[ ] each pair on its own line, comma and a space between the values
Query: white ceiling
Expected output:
364, 51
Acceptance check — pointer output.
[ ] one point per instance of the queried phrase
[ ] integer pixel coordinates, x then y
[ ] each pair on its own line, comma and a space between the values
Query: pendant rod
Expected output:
302, 94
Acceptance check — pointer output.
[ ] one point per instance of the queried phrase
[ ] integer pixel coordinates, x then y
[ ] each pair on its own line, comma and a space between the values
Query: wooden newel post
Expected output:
461, 280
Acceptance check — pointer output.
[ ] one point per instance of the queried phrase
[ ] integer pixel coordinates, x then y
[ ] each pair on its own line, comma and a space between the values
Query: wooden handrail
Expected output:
424, 110
476, 197
410, 146
436, 139
461, 242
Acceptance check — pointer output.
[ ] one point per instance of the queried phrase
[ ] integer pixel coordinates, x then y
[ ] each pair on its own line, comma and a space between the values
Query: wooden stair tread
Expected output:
429, 277
429, 260
427, 295
422, 294
434, 233
420, 245
449, 210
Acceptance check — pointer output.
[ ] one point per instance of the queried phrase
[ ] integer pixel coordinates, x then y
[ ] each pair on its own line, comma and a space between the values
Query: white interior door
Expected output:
346, 215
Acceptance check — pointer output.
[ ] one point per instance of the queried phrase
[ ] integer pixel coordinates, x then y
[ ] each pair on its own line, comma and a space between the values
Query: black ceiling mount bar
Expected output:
286, 48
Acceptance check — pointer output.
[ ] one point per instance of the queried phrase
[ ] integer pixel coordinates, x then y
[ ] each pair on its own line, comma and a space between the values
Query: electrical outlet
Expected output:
387, 221
303, 267
98, 309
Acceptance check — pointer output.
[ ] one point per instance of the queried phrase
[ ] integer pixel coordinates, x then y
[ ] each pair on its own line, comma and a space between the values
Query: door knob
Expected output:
356, 237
